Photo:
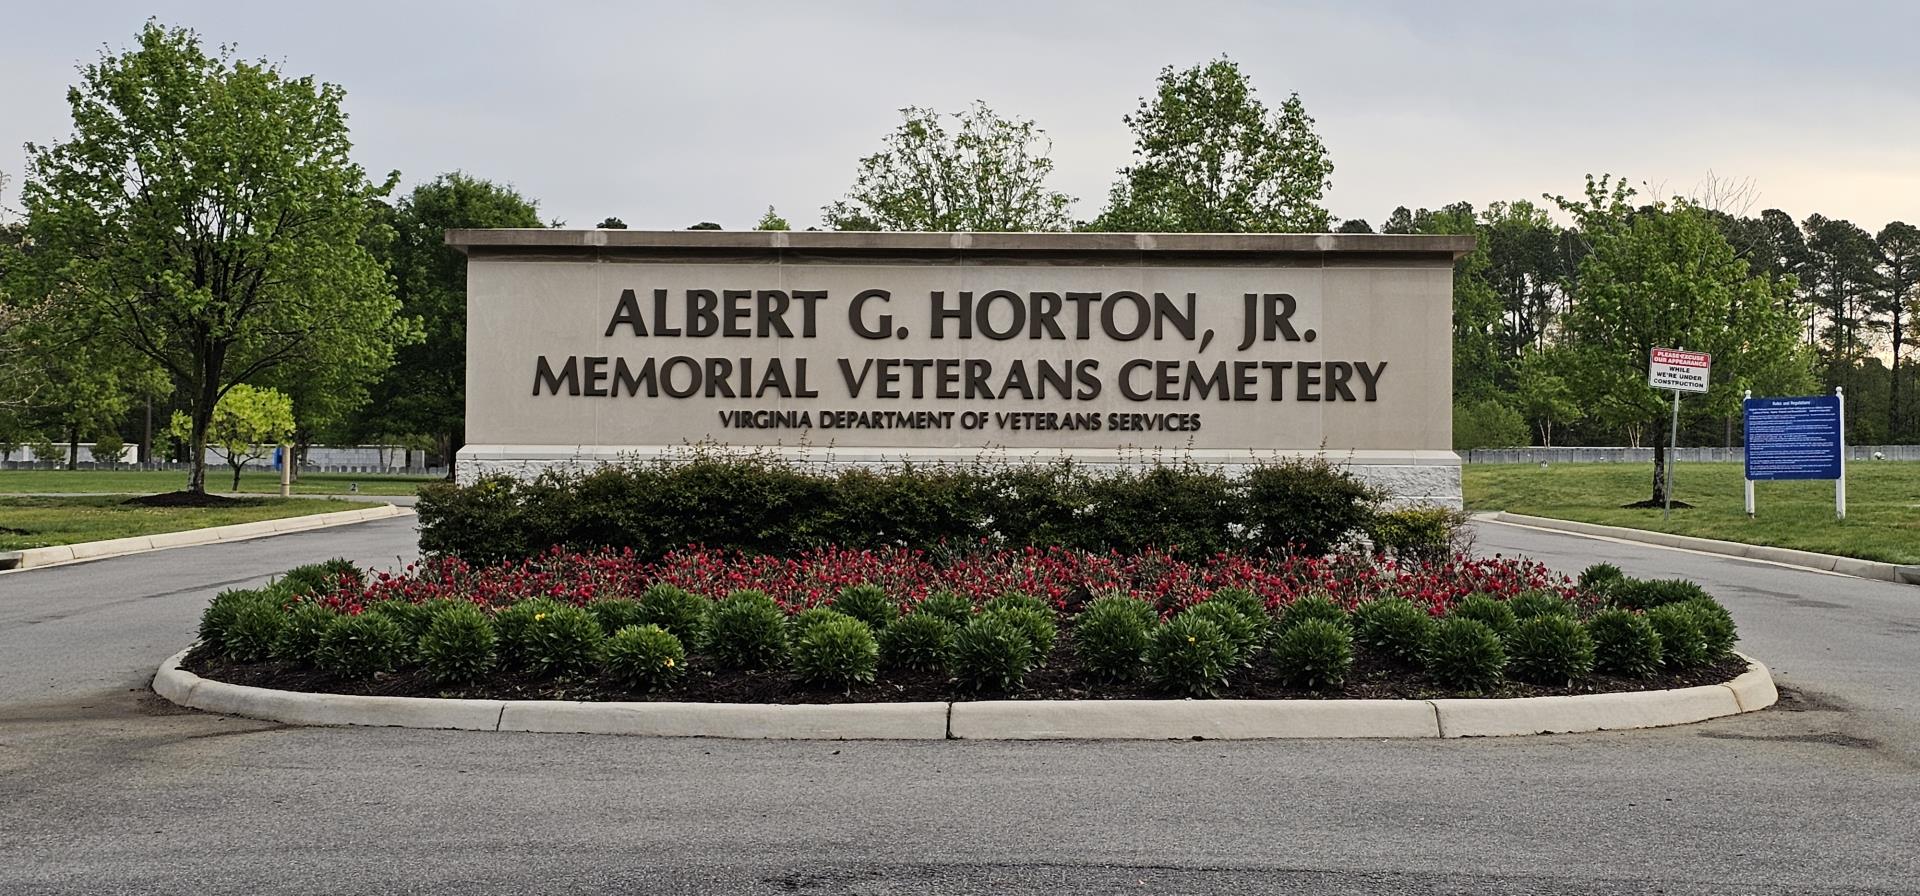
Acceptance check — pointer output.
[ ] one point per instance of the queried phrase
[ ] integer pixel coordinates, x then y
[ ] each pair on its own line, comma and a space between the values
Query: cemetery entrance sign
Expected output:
864, 348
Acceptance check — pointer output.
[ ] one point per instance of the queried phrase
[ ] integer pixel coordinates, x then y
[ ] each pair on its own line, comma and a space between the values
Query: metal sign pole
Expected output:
1743, 473
1840, 485
1673, 448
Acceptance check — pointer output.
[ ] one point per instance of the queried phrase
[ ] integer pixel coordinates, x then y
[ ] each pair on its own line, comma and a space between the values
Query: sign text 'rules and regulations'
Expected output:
1679, 370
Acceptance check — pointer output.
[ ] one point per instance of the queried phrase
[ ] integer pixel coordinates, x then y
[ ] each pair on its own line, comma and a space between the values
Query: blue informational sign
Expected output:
1793, 438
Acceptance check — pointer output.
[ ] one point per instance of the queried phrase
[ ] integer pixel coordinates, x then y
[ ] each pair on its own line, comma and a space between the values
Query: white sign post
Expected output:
1680, 371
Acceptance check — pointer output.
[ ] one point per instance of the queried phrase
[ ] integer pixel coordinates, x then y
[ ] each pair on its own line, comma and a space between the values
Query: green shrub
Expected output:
1315, 605
947, 605
362, 646
217, 620
1038, 625
1313, 653
1110, 636
1250, 606
255, 628
991, 654
1485, 609
299, 640
747, 630
1420, 534
800, 622
1600, 578
1549, 649
1716, 627
1489, 423
1239, 630
1624, 643
459, 645
616, 613
1644, 594
1683, 640
482, 523
1190, 655
917, 641
1016, 600
320, 578
411, 617
644, 658
1308, 505
1187, 506
563, 641
1465, 654
867, 603
836, 653
1393, 628
677, 610
1529, 604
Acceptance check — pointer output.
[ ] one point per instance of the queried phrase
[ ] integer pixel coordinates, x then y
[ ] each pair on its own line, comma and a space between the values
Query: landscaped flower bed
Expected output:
858, 626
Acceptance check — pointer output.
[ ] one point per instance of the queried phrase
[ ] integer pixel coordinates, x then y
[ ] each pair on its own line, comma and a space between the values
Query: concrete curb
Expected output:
1847, 566
34, 558
994, 719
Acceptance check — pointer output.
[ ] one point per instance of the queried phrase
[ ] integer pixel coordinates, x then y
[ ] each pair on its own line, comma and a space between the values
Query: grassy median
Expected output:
43, 522
219, 479
1883, 504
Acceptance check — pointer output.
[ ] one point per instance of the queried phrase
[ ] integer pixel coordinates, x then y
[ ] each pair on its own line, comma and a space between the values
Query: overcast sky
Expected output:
665, 114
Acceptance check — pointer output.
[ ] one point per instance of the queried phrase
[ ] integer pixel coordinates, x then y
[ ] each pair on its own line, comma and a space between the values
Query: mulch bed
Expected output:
1058, 679
188, 499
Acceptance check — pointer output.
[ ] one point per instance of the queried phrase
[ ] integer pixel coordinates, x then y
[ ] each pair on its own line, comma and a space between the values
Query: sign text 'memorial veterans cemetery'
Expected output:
865, 348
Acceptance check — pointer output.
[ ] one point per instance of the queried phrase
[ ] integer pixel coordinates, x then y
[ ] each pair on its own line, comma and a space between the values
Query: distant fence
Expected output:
1645, 455
320, 459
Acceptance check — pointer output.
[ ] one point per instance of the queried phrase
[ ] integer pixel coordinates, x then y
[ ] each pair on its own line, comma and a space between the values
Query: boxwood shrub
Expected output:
836, 653
1465, 653
459, 645
1313, 653
644, 658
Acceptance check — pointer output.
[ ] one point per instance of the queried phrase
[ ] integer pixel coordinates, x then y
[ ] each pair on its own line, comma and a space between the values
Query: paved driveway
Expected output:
105, 789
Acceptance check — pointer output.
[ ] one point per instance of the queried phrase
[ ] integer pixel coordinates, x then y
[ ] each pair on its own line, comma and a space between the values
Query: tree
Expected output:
248, 424
1543, 395
612, 224
1210, 158
772, 221
1354, 225
1899, 250
988, 174
1841, 279
706, 225
206, 214
1664, 276
425, 392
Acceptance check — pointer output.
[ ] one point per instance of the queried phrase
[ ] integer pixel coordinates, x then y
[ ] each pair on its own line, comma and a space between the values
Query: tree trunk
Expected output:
456, 438
1660, 463
1893, 385
213, 361
236, 473
73, 447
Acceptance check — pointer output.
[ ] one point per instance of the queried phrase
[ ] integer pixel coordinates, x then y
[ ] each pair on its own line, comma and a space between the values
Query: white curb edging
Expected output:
1834, 563
34, 558
994, 719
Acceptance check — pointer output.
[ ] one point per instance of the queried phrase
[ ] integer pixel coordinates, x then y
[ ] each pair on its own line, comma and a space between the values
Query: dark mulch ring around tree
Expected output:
1651, 504
188, 499
1058, 679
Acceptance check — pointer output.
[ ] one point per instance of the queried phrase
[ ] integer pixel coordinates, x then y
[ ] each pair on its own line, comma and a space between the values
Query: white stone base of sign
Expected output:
1408, 477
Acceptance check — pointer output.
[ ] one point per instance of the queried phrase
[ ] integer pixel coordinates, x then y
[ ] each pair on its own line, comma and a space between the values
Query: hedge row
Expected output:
764, 506
646, 644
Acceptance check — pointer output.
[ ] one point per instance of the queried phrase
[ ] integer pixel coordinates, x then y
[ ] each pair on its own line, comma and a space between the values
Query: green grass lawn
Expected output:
1883, 504
218, 480
41, 522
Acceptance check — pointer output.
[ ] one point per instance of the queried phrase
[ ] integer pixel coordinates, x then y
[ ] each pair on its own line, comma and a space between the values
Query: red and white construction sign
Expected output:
1674, 369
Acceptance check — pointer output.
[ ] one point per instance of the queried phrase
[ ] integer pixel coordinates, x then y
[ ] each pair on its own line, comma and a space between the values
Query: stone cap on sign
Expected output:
1312, 248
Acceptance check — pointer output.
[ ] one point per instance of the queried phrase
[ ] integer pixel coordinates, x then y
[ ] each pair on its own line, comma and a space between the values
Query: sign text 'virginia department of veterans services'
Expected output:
720, 330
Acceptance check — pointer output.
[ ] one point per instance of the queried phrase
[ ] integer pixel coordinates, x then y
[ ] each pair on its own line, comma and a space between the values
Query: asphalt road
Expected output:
106, 789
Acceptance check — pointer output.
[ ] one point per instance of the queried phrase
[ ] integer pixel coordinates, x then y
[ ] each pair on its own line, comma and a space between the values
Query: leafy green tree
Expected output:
206, 215
987, 174
425, 391
1543, 396
1841, 279
247, 424
1210, 158
1664, 275
772, 221
706, 225
1487, 423
1899, 250
611, 224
